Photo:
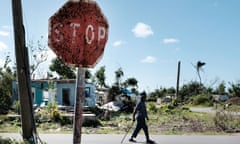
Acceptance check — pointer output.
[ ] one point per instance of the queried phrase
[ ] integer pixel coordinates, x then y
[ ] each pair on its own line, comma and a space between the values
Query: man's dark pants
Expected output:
141, 124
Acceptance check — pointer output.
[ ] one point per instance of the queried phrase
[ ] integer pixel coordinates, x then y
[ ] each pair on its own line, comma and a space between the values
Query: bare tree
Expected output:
38, 52
119, 74
198, 68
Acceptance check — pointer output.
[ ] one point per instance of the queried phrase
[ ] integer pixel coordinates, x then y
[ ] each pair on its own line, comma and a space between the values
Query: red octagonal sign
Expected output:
78, 33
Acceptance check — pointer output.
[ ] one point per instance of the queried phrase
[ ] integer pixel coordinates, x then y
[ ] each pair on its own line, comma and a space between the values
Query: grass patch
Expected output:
9, 141
163, 120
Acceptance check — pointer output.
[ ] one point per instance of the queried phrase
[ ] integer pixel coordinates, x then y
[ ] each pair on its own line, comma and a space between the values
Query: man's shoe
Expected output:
132, 140
150, 142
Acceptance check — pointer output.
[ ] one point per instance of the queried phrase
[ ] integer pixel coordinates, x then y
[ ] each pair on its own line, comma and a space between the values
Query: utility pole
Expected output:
23, 75
178, 77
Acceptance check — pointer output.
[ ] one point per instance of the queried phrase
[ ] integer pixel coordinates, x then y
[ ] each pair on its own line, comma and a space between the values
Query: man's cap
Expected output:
143, 93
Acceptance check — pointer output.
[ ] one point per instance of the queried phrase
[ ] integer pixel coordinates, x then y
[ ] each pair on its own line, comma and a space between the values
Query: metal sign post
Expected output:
79, 103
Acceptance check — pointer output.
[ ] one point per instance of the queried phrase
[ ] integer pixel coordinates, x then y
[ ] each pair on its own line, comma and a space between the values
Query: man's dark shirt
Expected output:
141, 111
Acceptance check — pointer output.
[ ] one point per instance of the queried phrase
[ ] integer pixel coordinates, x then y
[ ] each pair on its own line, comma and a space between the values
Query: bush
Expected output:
227, 122
66, 120
202, 99
9, 141
91, 123
16, 106
152, 107
55, 115
53, 111
49, 113
5, 101
166, 109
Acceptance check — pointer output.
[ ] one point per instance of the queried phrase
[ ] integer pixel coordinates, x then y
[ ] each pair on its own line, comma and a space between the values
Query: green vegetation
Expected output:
9, 141
203, 99
172, 117
164, 119
7, 75
173, 120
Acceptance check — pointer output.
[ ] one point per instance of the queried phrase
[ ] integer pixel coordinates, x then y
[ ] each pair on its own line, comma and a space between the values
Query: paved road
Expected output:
203, 110
116, 139
209, 110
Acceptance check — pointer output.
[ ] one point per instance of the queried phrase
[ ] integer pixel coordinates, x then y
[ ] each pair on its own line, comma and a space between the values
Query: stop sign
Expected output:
78, 33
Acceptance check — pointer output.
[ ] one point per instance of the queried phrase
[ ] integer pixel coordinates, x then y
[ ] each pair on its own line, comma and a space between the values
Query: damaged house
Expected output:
60, 91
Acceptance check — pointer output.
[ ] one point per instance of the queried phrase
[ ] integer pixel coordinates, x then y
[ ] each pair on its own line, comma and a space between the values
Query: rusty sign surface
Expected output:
78, 33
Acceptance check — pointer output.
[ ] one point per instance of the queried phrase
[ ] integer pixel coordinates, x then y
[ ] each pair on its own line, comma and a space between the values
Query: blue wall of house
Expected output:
38, 87
71, 87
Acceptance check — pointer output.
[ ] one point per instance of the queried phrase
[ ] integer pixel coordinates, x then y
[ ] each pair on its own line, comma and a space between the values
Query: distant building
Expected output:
61, 91
101, 96
221, 98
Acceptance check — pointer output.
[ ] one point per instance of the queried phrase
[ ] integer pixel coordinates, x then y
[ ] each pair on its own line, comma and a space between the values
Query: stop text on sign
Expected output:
75, 29
78, 32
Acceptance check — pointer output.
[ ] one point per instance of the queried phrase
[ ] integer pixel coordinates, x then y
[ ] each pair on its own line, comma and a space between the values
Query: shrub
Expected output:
53, 111
16, 106
55, 115
202, 99
152, 107
66, 120
49, 113
9, 141
5, 101
227, 122
91, 123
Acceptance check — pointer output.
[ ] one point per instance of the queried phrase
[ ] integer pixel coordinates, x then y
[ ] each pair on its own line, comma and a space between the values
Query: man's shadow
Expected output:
143, 142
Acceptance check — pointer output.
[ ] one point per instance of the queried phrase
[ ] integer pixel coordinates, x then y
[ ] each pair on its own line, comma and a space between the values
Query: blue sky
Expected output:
148, 38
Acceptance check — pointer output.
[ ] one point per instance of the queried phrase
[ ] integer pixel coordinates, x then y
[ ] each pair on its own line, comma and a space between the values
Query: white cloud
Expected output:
118, 43
2, 46
170, 40
4, 33
7, 27
149, 59
142, 30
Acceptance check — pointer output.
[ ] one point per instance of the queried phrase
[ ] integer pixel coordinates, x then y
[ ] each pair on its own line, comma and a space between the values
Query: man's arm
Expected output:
146, 113
134, 113
147, 117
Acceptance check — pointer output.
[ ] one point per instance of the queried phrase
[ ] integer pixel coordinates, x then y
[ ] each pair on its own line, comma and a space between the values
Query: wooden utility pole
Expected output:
178, 77
79, 102
23, 75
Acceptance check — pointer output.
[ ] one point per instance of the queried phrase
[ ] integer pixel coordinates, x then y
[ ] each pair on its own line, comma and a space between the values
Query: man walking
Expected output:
140, 112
